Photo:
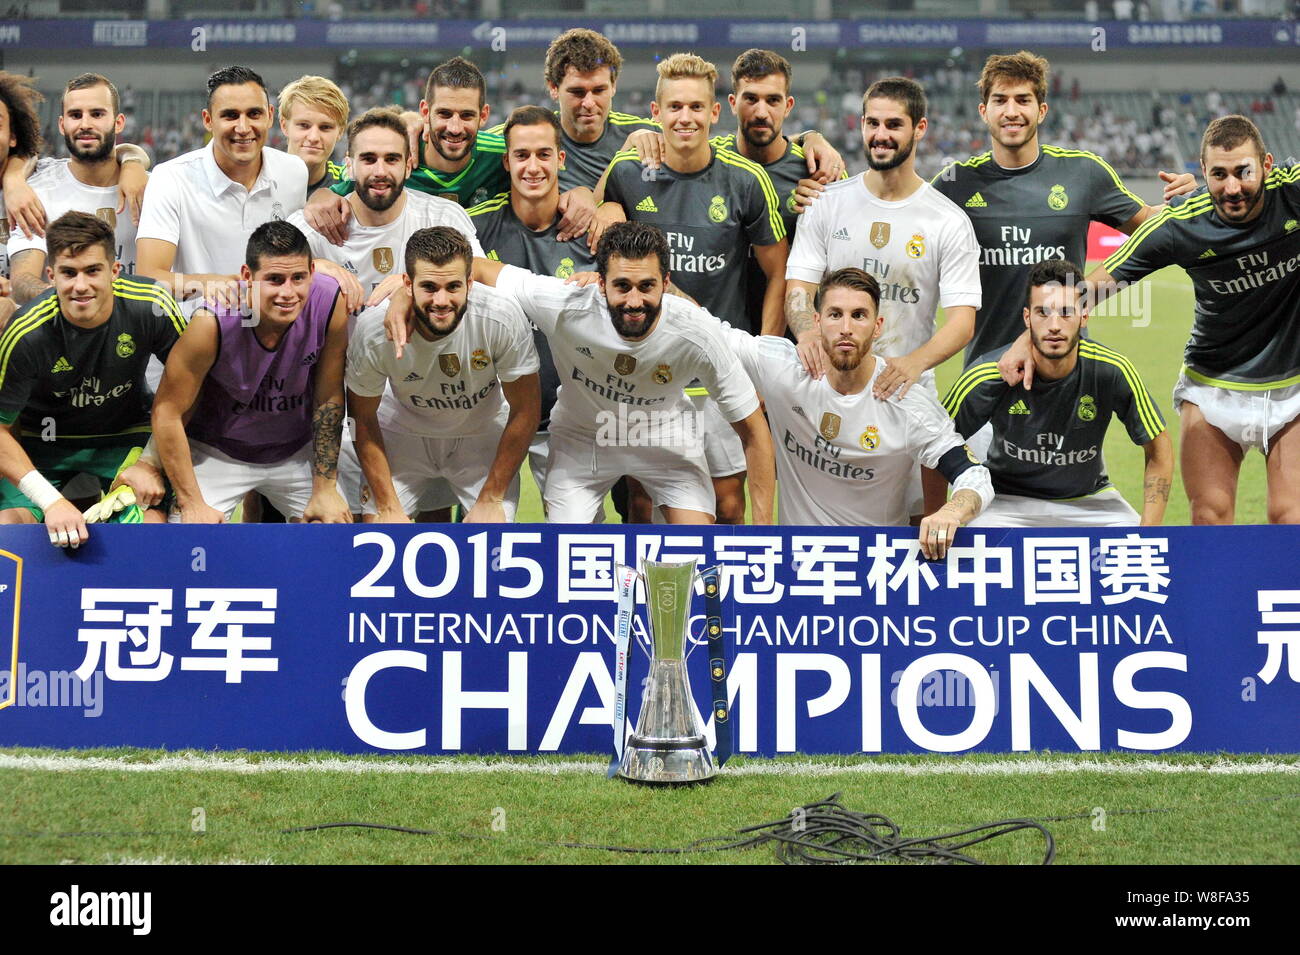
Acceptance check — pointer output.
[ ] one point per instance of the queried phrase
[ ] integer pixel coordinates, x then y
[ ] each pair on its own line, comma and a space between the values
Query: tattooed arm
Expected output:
327, 505
1157, 479
801, 320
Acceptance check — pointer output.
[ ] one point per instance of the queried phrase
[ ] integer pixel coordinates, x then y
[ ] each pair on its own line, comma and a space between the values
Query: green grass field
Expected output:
1156, 348
1245, 811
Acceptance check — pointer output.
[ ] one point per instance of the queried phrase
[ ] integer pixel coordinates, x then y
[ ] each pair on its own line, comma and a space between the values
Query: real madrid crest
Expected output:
1057, 199
869, 440
879, 234
108, 216
717, 209
382, 258
624, 364
565, 270
916, 246
125, 346
1087, 408
663, 374
830, 426
449, 362
478, 360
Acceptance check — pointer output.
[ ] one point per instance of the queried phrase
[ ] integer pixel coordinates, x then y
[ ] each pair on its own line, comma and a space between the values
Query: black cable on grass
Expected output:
820, 833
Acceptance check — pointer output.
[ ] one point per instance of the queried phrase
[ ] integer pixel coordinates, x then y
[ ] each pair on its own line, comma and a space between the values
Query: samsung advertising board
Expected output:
472, 639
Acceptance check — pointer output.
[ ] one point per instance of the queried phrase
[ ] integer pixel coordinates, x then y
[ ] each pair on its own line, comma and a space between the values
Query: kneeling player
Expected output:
73, 397
1045, 456
845, 456
260, 399
465, 398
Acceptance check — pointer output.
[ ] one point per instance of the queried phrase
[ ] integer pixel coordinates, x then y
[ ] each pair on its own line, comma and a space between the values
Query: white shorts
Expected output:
422, 467
581, 472
723, 451
223, 481
1106, 508
1249, 418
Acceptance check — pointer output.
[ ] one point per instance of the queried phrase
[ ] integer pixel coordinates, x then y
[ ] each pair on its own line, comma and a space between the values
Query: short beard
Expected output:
423, 321
749, 133
382, 205
899, 158
100, 153
1038, 346
470, 142
1254, 202
842, 362
624, 328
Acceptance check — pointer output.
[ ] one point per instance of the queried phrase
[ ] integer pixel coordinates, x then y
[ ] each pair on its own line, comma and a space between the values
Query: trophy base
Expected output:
667, 762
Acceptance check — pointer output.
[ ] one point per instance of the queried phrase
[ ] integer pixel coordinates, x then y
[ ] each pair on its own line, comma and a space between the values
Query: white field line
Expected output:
882, 767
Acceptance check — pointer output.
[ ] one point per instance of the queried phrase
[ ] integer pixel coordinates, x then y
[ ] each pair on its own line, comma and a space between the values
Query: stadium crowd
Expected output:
637, 303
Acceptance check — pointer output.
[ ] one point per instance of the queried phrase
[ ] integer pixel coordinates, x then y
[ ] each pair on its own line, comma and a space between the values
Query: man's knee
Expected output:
1212, 507
17, 515
729, 494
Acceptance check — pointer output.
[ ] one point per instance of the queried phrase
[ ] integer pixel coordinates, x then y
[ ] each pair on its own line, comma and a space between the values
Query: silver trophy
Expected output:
668, 745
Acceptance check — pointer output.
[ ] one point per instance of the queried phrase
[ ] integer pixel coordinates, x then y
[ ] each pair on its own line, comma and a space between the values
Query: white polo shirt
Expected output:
372, 253
60, 191
208, 216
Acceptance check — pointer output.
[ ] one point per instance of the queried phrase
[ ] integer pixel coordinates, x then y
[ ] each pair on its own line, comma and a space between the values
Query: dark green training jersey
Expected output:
505, 239
90, 382
334, 174
711, 218
585, 163
1024, 216
1246, 333
1047, 442
480, 180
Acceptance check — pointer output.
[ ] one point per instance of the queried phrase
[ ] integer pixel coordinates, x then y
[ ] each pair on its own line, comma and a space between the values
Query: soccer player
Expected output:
1046, 451
73, 397
87, 181
465, 401
846, 456
623, 351
459, 162
714, 206
1029, 201
259, 406
201, 207
520, 228
20, 142
384, 212
1240, 387
313, 115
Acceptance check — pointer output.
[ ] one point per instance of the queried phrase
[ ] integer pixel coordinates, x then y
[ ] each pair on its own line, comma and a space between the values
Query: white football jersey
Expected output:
60, 191
600, 371
841, 459
451, 387
372, 253
922, 251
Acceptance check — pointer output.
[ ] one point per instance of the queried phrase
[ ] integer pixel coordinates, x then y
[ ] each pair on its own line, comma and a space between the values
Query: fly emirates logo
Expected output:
682, 256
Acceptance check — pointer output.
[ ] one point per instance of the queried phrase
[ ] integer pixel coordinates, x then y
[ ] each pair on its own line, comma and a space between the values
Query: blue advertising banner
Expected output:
214, 34
473, 639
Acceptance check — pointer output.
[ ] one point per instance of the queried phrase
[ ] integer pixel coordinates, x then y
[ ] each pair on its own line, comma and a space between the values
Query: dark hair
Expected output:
20, 97
233, 76
382, 117
900, 89
854, 279
756, 64
1022, 67
632, 240
532, 116
1053, 272
438, 245
584, 50
276, 237
1229, 132
75, 232
457, 73
89, 80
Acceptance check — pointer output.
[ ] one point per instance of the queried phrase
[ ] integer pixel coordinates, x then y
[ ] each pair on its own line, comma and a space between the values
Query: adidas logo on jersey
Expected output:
842, 234
493, 256
582, 350
61, 365
309, 360
413, 377
1207, 254
1019, 408
647, 205
976, 202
